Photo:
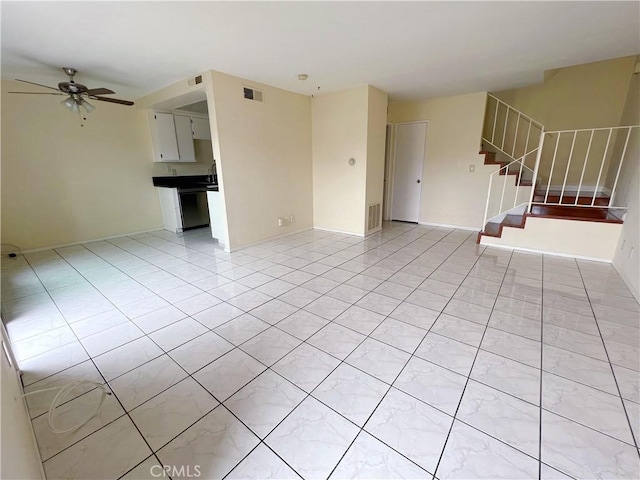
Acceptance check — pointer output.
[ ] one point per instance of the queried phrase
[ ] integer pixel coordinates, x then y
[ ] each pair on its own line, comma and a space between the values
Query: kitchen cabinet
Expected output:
200, 128
171, 137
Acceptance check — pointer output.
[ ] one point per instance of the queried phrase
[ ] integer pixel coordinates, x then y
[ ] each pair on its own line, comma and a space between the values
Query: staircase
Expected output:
565, 175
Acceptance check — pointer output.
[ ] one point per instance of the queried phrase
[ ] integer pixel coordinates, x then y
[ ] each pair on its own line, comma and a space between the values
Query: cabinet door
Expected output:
200, 127
164, 138
185, 138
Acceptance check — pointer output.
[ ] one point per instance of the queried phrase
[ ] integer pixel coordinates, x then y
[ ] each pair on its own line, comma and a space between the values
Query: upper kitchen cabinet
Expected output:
200, 127
171, 137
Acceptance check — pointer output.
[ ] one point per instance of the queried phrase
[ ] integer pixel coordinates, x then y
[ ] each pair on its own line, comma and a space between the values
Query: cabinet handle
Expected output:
161, 156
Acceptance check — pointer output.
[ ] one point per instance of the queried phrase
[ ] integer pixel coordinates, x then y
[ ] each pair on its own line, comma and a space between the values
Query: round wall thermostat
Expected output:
352, 161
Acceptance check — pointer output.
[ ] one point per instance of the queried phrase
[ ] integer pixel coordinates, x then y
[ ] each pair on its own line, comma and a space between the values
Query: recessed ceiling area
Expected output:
411, 50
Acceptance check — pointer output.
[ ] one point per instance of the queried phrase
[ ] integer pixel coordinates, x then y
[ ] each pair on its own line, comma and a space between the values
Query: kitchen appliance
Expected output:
193, 207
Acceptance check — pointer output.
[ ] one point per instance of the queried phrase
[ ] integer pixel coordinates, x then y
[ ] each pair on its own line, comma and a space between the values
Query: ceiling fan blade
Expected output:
111, 100
38, 84
99, 91
39, 93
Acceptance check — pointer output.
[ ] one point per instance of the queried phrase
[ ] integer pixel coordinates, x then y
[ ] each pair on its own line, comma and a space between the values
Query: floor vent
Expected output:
373, 219
252, 94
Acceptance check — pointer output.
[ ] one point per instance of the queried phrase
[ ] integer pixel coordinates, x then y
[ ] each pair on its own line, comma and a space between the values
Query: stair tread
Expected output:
563, 212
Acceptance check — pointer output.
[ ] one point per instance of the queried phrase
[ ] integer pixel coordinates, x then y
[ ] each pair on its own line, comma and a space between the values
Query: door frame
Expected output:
393, 164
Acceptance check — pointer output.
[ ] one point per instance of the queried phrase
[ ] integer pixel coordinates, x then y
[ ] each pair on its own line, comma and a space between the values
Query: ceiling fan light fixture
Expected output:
70, 104
87, 106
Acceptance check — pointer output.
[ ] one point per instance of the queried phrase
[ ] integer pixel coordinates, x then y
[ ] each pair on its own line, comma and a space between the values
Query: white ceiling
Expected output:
411, 50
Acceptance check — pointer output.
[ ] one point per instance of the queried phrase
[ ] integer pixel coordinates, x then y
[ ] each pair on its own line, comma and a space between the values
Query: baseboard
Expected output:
546, 252
52, 247
626, 281
444, 225
342, 232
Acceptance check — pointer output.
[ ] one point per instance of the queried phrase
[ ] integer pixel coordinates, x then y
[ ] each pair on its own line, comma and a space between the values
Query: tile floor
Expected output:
413, 353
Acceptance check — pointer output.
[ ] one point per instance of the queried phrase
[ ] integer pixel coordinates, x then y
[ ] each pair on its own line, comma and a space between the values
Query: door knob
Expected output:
417, 181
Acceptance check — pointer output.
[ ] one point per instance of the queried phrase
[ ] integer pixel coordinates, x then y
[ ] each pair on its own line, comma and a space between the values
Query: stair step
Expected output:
564, 212
574, 213
601, 200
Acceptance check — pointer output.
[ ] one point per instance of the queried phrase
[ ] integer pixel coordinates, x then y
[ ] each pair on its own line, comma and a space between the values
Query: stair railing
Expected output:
581, 153
508, 174
508, 125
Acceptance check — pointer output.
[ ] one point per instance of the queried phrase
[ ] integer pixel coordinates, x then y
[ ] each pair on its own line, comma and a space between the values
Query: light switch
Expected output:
472, 168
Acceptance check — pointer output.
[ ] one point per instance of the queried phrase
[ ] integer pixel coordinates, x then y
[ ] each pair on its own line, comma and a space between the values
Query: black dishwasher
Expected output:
193, 207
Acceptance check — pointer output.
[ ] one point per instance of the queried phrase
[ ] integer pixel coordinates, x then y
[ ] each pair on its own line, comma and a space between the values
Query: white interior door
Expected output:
407, 173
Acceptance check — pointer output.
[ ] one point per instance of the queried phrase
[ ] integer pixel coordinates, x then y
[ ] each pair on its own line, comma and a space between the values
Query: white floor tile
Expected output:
141, 384
411, 427
378, 359
472, 454
229, 373
172, 411
306, 366
312, 439
262, 463
369, 458
108, 453
265, 402
215, 444
351, 392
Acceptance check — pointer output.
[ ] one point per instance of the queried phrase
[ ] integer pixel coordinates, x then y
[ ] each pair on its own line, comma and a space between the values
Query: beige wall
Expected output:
582, 96
564, 237
591, 95
340, 132
264, 159
451, 195
63, 183
376, 136
626, 259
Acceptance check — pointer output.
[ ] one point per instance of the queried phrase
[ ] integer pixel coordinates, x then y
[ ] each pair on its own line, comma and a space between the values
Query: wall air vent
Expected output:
373, 217
252, 94
195, 81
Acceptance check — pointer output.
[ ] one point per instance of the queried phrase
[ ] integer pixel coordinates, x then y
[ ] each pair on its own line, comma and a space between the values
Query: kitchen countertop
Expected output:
185, 181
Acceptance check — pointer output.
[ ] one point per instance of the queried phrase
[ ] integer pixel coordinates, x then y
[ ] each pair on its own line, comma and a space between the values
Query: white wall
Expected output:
264, 164
564, 237
63, 183
451, 195
340, 132
19, 454
627, 260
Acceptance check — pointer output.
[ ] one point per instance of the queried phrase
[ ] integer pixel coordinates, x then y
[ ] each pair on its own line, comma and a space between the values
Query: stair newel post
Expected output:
535, 168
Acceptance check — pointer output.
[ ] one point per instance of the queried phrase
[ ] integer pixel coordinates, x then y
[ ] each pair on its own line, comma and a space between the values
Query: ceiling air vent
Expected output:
252, 94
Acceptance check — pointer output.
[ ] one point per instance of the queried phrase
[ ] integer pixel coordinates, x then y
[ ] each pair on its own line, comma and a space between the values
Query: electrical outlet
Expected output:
281, 222
292, 219
174, 171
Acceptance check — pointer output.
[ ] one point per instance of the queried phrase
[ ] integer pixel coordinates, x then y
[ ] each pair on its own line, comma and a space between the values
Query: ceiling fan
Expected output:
77, 94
